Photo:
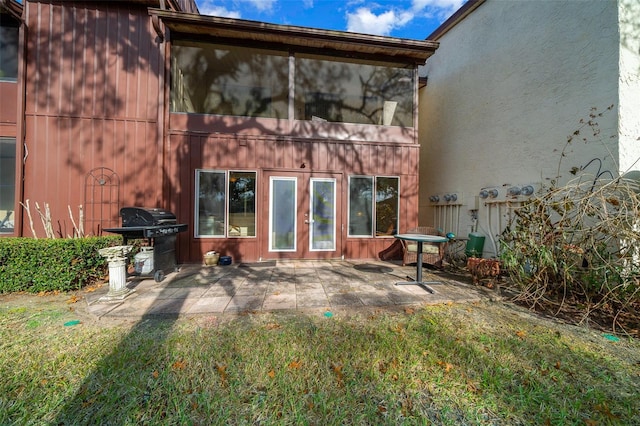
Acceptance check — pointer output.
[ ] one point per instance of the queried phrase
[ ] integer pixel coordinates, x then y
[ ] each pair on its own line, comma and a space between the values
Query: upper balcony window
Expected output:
8, 48
353, 91
229, 80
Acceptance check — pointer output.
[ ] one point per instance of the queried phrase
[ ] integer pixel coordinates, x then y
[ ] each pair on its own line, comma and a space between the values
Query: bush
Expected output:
33, 266
577, 243
575, 246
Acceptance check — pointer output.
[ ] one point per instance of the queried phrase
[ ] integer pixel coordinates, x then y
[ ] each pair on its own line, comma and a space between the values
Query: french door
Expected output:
303, 215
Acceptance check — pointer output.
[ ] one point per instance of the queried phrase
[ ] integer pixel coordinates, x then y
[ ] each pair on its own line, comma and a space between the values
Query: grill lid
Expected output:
140, 216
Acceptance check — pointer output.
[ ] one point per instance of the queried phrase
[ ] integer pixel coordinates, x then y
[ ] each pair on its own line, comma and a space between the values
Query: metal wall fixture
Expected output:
527, 190
488, 193
450, 197
446, 210
514, 191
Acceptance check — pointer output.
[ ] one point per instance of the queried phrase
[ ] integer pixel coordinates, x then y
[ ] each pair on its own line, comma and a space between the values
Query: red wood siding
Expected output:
94, 91
8, 108
187, 152
96, 95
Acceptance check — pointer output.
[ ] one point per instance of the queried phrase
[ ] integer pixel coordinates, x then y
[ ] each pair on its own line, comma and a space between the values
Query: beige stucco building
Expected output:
510, 82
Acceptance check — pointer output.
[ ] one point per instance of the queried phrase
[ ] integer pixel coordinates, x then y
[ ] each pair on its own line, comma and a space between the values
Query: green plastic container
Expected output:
475, 245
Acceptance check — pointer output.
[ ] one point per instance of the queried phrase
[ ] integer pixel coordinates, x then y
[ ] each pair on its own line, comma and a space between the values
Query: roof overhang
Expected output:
454, 19
13, 8
405, 50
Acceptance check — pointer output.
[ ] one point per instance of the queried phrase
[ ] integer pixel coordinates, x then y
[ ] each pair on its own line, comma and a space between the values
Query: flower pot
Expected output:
211, 258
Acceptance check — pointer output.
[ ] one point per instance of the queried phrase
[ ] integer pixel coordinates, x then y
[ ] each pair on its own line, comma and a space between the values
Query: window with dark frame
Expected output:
209, 78
7, 184
225, 203
217, 79
348, 90
373, 206
9, 29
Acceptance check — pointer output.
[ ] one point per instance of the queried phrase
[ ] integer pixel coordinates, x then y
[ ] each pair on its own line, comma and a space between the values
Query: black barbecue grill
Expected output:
159, 227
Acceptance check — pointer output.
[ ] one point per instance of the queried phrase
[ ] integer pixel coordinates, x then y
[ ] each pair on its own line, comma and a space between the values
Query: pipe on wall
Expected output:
447, 218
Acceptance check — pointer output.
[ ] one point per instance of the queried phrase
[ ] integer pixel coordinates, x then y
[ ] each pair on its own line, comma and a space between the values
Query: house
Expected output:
269, 141
509, 83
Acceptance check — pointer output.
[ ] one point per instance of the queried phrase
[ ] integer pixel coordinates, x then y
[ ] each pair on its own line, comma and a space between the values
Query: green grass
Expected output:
453, 364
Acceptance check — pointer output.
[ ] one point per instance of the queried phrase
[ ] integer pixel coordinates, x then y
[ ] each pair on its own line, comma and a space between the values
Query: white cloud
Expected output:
263, 5
365, 21
209, 8
440, 8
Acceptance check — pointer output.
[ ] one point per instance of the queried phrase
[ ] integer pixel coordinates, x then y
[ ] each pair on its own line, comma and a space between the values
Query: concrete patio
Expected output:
282, 286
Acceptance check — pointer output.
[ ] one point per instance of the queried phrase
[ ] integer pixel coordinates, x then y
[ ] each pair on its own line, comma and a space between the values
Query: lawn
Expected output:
486, 363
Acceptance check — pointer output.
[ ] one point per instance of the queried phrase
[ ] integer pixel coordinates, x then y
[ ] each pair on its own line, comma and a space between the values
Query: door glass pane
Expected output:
210, 203
282, 216
360, 206
387, 205
323, 214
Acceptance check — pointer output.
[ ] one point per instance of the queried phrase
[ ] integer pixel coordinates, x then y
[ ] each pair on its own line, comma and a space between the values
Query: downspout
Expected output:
163, 115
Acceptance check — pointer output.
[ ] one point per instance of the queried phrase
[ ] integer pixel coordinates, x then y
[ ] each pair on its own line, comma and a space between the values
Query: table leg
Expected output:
419, 263
418, 280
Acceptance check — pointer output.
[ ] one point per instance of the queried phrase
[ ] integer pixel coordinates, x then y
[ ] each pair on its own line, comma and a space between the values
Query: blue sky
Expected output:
414, 19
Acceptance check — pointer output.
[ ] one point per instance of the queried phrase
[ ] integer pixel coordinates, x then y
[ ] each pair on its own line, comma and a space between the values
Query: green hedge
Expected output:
31, 265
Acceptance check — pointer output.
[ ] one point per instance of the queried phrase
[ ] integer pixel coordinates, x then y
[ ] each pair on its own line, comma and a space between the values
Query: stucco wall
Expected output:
505, 89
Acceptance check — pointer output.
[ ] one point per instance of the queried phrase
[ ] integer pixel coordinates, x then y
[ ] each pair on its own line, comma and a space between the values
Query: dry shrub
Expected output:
574, 248
577, 242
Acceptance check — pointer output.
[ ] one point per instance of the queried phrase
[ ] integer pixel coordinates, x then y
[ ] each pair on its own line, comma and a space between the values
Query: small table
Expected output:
420, 239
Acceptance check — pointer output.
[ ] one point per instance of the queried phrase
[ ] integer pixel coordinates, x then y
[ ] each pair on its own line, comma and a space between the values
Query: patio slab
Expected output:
281, 285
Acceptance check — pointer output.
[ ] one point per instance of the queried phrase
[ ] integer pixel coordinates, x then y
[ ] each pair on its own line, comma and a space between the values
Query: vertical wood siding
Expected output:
93, 96
188, 152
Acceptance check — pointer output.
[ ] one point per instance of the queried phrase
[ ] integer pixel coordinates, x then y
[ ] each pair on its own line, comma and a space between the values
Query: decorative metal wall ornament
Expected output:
101, 199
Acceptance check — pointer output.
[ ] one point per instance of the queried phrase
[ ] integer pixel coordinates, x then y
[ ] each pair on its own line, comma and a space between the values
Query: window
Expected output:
208, 78
225, 209
7, 184
229, 80
8, 48
242, 204
365, 210
357, 91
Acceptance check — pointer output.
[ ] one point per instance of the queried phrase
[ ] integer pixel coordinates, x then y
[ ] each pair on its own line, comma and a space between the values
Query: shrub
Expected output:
575, 245
35, 265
